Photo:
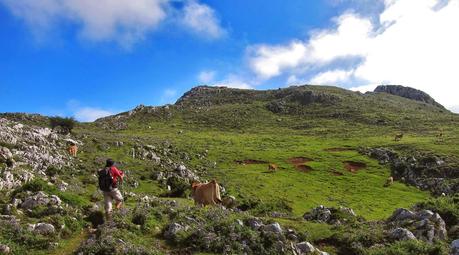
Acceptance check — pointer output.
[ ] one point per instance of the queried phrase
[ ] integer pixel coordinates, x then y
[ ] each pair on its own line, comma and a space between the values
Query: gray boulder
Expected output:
172, 230
455, 247
426, 225
255, 223
402, 234
229, 201
44, 228
304, 248
402, 214
274, 227
41, 198
4, 249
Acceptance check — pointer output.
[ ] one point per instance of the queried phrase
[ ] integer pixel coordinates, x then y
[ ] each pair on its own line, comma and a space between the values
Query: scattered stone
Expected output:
426, 225
402, 234
330, 215
304, 248
229, 201
41, 198
455, 247
4, 249
44, 228
274, 227
172, 230
255, 223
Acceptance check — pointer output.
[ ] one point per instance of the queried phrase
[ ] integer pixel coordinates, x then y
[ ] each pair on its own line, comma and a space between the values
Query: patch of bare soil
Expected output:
353, 166
338, 149
250, 162
299, 163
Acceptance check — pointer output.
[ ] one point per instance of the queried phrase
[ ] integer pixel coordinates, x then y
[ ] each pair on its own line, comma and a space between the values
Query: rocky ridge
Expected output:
407, 92
28, 151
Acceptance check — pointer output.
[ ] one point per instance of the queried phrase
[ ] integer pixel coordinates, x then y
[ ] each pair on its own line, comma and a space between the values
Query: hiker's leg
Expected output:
108, 204
118, 198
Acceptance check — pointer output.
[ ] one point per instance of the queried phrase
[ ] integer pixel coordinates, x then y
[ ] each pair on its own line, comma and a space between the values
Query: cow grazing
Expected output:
206, 193
272, 167
389, 181
398, 137
73, 150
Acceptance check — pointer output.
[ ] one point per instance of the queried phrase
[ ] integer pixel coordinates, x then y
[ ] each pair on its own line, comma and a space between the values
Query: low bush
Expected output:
65, 125
411, 247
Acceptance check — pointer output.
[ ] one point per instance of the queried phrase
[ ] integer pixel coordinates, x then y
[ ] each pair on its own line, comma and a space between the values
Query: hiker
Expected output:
109, 177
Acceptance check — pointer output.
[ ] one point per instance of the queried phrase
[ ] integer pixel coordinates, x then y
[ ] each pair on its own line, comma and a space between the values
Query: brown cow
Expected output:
73, 150
272, 167
206, 193
389, 181
398, 137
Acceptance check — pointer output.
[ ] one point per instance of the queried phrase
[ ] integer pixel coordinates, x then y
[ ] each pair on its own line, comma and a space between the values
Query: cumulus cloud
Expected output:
123, 21
413, 43
206, 76
202, 20
269, 61
89, 114
364, 88
233, 81
331, 77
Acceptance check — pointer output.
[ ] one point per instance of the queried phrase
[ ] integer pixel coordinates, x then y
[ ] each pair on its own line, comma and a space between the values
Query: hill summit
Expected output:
407, 92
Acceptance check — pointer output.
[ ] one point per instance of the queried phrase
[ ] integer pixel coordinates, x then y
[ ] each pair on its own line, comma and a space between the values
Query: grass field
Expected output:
326, 138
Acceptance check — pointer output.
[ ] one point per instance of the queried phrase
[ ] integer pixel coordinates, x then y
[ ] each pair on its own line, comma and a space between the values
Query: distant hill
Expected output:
299, 107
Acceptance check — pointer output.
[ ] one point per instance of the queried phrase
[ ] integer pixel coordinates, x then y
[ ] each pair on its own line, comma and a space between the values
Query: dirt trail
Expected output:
72, 244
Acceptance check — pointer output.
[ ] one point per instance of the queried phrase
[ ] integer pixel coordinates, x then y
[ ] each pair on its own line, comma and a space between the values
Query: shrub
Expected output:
65, 124
412, 247
52, 171
447, 207
179, 186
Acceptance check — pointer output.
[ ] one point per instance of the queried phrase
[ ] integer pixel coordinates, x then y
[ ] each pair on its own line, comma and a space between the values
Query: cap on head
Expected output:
110, 163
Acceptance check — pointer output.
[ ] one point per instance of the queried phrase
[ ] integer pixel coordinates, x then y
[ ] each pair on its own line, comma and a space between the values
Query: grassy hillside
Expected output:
312, 133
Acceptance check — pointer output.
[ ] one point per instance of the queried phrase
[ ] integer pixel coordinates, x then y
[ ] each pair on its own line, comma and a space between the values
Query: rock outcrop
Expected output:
425, 171
330, 215
424, 225
28, 151
407, 92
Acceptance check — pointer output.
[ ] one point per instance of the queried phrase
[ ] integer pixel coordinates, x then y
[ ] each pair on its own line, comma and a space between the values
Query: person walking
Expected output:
109, 179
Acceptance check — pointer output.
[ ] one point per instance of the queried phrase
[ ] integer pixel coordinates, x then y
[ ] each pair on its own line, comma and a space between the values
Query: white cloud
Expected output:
269, 61
233, 81
331, 77
202, 20
364, 88
89, 114
123, 21
415, 44
206, 76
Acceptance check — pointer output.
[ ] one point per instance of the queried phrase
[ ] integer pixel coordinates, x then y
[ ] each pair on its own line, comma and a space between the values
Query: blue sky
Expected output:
87, 58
